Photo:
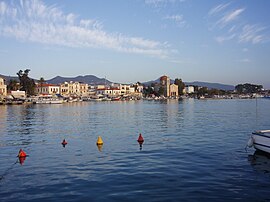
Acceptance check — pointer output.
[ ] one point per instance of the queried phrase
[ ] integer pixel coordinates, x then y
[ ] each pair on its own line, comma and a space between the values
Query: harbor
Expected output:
198, 145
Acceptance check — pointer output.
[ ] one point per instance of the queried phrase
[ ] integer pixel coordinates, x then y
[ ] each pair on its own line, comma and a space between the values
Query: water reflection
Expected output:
140, 145
22, 159
260, 161
3, 116
99, 146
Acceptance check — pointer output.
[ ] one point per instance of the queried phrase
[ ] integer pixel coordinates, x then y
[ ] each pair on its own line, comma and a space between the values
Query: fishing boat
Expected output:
260, 140
47, 99
115, 98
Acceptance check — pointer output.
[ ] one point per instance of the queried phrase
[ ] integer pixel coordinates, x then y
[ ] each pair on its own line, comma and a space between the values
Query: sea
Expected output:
193, 150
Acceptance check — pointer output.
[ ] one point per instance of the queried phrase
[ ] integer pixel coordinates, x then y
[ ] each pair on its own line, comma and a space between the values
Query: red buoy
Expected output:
21, 154
140, 139
64, 142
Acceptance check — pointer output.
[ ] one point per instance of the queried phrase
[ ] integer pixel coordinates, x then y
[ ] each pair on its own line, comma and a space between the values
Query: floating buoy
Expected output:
64, 142
21, 154
99, 141
140, 139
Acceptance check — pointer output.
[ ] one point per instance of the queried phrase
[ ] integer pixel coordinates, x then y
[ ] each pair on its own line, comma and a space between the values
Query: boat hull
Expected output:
261, 140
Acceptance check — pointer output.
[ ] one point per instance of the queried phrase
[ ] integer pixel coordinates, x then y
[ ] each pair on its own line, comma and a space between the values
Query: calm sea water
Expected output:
194, 150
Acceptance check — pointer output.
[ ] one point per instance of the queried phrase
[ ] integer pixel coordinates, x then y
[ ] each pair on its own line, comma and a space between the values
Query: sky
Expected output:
137, 40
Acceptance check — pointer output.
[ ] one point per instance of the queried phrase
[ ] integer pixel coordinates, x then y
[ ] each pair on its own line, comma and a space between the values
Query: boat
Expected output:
260, 140
115, 98
47, 99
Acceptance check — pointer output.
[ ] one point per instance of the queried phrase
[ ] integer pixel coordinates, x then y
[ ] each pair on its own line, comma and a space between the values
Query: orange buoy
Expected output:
140, 139
99, 141
21, 154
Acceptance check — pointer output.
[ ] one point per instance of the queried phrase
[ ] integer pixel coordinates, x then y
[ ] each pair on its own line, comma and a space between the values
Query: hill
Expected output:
211, 85
93, 80
89, 79
202, 84
8, 78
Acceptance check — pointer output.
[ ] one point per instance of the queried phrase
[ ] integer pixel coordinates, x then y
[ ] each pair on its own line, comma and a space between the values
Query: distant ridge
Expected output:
211, 85
93, 80
218, 86
89, 79
8, 78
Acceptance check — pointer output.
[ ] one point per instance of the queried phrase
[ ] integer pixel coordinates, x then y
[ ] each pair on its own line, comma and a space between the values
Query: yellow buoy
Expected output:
99, 141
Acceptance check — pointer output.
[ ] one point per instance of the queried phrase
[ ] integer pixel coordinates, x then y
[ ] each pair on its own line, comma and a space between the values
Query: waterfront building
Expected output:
165, 83
49, 89
173, 90
189, 89
3, 88
18, 94
108, 92
73, 89
125, 89
64, 89
170, 90
84, 89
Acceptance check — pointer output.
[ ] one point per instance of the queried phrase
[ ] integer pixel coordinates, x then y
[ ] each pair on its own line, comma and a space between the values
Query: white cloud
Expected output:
252, 34
162, 1
178, 19
34, 21
221, 39
234, 27
218, 9
231, 16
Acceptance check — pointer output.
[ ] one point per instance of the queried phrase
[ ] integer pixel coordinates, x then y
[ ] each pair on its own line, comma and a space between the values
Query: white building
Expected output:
74, 89
109, 92
3, 87
18, 94
49, 89
189, 89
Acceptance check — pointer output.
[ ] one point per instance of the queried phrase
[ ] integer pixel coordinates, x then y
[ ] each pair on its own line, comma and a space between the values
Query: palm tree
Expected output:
41, 81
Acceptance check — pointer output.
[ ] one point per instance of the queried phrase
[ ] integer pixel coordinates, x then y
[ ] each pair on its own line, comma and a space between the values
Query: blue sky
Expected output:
138, 40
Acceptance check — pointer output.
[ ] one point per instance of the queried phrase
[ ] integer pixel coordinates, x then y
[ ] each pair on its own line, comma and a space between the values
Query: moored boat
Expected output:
47, 99
260, 140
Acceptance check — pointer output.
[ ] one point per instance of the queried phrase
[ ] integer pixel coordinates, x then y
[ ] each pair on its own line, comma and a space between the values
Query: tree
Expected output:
181, 85
161, 90
26, 84
248, 88
41, 81
13, 85
202, 91
147, 90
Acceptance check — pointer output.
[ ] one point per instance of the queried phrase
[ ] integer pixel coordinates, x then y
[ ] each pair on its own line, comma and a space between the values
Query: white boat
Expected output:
48, 99
260, 140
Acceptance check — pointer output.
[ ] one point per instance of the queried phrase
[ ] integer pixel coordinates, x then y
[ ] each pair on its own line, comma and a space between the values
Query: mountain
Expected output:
211, 85
92, 80
198, 83
89, 79
8, 78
